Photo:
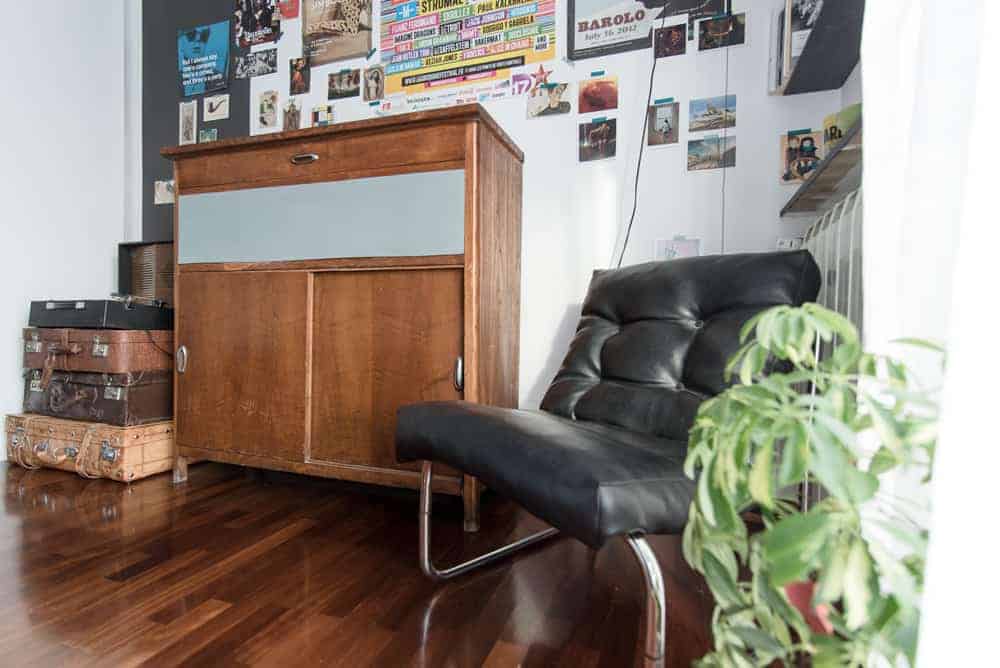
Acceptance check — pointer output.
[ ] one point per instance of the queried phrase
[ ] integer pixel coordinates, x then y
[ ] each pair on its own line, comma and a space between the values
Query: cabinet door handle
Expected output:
459, 373
182, 359
304, 158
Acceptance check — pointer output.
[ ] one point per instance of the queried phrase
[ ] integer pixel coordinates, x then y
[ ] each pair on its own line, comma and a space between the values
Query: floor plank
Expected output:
247, 568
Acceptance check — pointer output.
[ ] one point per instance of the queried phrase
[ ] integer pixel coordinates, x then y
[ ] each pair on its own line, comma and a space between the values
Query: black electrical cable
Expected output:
722, 155
642, 143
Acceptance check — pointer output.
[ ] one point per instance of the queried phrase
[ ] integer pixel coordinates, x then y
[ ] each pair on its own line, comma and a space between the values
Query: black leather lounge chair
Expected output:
603, 457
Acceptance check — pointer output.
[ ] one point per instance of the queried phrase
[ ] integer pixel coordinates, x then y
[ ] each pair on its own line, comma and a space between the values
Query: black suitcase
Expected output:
118, 313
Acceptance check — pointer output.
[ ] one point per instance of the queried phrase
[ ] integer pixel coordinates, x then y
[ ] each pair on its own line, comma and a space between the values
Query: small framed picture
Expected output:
188, 123
721, 32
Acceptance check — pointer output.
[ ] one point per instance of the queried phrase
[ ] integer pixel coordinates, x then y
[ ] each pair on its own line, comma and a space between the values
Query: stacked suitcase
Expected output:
98, 389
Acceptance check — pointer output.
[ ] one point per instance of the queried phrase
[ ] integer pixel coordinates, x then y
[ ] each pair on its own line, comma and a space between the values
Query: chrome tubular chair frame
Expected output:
655, 592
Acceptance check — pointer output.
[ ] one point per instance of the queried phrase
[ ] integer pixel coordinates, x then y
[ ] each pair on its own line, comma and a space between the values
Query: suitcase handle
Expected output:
65, 306
304, 159
181, 359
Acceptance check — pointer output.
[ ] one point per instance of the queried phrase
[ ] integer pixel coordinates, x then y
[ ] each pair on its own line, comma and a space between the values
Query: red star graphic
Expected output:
540, 77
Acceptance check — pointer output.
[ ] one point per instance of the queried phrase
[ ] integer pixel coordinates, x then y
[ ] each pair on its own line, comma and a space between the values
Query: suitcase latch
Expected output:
33, 346
100, 349
114, 393
71, 452
108, 453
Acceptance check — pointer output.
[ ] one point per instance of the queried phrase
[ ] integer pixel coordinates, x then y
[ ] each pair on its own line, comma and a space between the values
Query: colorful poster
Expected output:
256, 22
336, 29
203, 58
800, 155
427, 44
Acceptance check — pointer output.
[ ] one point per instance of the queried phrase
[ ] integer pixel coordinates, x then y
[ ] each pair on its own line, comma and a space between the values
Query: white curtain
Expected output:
931, 107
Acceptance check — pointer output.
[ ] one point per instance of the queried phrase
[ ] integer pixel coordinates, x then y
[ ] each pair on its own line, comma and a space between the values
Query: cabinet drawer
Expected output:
330, 157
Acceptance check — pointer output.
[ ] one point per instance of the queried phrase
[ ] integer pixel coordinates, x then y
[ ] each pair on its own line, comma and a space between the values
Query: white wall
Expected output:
61, 177
573, 212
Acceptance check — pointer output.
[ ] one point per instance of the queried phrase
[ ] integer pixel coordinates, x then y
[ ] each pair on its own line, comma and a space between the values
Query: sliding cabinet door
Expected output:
244, 386
381, 339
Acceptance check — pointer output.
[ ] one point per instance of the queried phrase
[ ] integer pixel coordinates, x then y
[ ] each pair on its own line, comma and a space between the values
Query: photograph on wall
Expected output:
322, 115
800, 155
712, 113
163, 192
256, 22
343, 84
267, 110
291, 115
374, 83
805, 13
216, 108
203, 58
598, 94
298, 76
289, 9
712, 152
429, 44
836, 126
333, 30
722, 32
679, 247
663, 124
551, 99
255, 64
602, 27
188, 123
670, 41
598, 139
206, 135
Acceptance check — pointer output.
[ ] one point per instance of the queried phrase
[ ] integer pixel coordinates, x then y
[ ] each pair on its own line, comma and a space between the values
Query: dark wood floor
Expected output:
244, 568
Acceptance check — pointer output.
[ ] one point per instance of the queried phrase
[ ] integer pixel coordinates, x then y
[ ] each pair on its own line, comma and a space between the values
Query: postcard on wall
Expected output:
322, 115
598, 139
188, 123
299, 75
711, 152
800, 155
267, 110
679, 247
291, 115
722, 31
163, 192
337, 29
216, 108
602, 27
343, 84
255, 64
670, 41
598, 94
289, 9
551, 99
203, 58
256, 22
712, 113
374, 83
663, 123
206, 135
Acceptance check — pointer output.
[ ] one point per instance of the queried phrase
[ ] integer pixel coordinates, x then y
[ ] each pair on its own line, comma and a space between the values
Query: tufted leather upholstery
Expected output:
604, 456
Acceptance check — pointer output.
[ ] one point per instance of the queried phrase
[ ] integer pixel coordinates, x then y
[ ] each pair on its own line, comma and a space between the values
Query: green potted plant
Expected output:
837, 584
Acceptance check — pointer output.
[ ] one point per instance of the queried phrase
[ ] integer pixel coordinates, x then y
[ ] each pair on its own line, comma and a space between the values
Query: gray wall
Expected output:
161, 93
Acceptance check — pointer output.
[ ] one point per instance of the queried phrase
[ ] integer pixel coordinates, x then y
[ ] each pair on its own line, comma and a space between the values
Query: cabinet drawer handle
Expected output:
459, 379
304, 158
181, 359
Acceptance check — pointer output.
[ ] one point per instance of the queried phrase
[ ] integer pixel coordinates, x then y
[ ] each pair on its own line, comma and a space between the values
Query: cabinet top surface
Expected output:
463, 112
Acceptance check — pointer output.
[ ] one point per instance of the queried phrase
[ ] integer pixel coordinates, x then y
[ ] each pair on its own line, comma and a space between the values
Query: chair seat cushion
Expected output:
589, 480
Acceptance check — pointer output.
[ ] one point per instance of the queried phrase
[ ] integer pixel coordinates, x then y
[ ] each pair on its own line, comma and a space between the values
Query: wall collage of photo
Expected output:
318, 62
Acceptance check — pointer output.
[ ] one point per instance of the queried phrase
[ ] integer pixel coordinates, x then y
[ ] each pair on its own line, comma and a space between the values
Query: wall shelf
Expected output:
829, 175
832, 52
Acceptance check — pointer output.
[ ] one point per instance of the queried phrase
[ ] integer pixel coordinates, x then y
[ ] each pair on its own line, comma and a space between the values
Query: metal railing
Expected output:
835, 240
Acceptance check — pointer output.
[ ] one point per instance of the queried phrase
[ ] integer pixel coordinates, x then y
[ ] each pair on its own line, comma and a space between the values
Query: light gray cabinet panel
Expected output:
386, 216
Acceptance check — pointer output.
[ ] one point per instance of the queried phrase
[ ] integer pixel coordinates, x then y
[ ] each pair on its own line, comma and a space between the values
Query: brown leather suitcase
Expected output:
98, 350
121, 399
91, 450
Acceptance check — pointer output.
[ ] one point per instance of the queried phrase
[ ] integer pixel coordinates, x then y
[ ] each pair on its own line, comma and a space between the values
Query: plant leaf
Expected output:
859, 586
761, 480
791, 547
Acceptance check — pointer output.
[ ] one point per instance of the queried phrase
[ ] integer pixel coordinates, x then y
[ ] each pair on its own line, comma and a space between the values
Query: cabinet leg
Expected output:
470, 499
180, 469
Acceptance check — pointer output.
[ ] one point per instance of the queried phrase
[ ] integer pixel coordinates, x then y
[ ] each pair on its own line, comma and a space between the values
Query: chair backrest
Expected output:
654, 339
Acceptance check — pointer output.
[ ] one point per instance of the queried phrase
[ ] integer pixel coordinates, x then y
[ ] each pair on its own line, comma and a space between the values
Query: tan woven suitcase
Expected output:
89, 449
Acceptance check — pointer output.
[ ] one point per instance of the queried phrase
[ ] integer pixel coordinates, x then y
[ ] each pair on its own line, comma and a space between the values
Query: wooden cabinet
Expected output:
325, 277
